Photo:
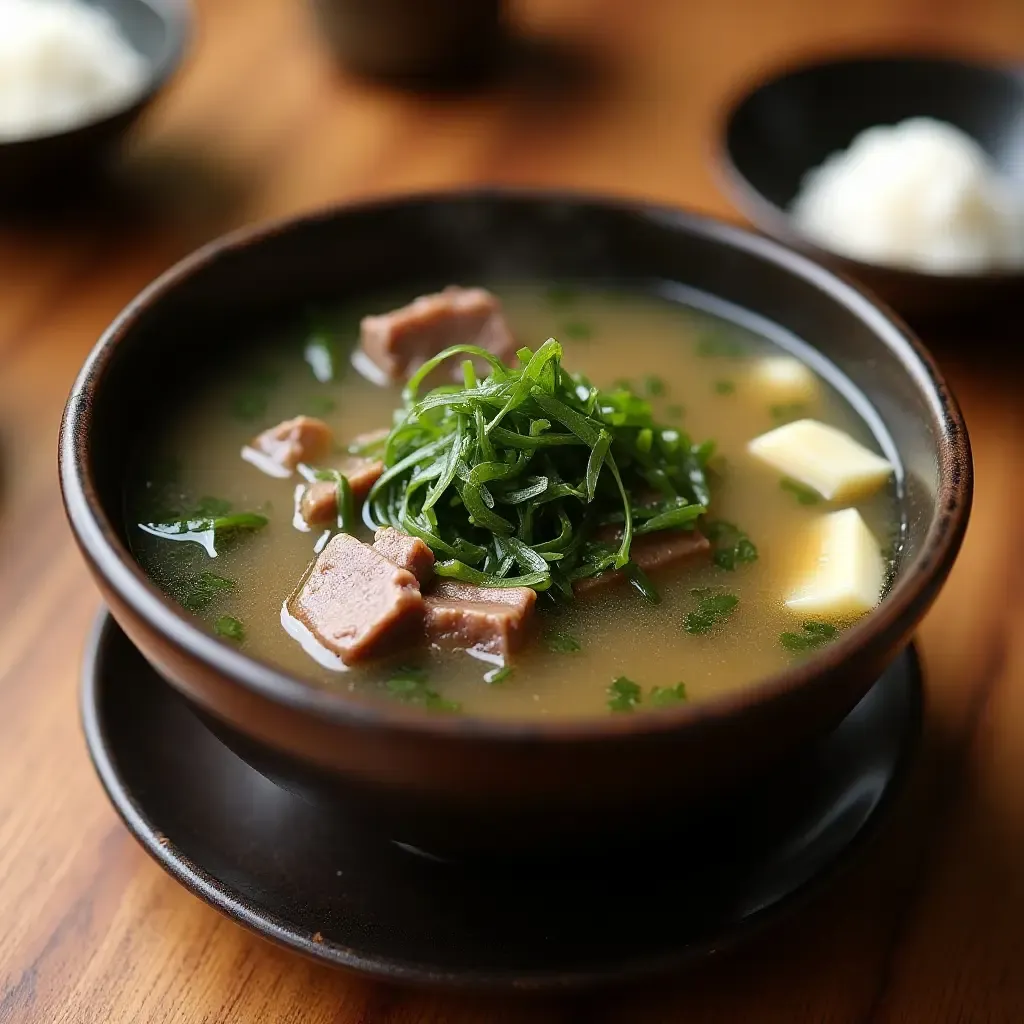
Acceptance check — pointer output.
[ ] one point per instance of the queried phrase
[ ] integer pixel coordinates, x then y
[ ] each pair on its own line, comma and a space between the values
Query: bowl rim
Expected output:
887, 625
768, 216
177, 17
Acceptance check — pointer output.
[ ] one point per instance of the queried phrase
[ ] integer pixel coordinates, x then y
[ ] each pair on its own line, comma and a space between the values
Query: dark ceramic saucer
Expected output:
281, 867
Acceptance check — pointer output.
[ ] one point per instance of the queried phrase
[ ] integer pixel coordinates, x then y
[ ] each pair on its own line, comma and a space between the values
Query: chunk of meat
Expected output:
358, 603
280, 449
651, 551
399, 342
318, 501
405, 551
318, 505
495, 620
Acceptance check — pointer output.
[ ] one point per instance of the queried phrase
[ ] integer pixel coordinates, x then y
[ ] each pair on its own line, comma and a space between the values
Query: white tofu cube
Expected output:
785, 379
847, 569
823, 458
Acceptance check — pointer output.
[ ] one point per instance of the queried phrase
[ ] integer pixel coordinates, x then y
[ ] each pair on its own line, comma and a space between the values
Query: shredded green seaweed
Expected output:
532, 476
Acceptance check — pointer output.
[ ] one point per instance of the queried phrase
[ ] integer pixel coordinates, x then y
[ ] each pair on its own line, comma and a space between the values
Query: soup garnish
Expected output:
518, 537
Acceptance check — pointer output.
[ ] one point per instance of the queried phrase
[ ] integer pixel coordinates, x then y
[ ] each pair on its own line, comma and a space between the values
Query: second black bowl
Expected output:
788, 125
50, 165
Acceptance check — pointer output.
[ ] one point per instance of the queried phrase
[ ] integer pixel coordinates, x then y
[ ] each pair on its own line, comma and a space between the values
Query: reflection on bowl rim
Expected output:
766, 215
916, 583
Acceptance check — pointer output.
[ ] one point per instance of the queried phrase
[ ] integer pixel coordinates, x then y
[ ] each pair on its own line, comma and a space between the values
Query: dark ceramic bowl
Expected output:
157, 29
460, 783
788, 125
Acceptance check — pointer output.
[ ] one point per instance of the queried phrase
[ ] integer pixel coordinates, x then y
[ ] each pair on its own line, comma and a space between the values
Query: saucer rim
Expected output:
218, 895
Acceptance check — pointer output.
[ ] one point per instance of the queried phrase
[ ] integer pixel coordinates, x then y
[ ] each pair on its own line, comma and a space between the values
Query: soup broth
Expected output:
611, 651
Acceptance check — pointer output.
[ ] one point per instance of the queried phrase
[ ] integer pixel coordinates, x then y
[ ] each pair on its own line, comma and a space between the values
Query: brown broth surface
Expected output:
608, 335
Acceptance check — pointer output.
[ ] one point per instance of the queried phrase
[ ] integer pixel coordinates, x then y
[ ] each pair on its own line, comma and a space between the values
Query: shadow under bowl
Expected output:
458, 784
50, 166
791, 123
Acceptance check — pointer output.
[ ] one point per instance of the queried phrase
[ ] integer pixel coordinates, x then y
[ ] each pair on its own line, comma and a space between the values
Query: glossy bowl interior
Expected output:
790, 123
157, 29
457, 783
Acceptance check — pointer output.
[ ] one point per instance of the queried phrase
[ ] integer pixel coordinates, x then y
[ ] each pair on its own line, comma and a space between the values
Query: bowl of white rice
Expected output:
74, 75
905, 172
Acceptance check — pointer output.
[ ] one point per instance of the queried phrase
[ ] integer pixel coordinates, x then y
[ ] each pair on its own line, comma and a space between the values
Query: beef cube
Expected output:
652, 552
280, 449
358, 603
405, 551
318, 505
495, 620
399, 342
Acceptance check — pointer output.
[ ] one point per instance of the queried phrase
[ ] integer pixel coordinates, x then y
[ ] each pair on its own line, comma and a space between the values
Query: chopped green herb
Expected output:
562, 643
654, 386
210, 508
715, 344
249, 405
348, 522
724, 387
664, 696
675, 411
410, 685
811, 635
790, 411
623, 695
803, 494
498, 675
730, 545
230, 627
559, 295
577, 330
622, 384
197, 591
516, 478
710, 611
204, 531
319, 405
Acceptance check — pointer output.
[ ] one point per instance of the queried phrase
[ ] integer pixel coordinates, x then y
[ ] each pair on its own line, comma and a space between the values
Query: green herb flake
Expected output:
410, 685
561, 295
497, 675
577, 330
710, 611
666, 696
811, 635
197, 591
210, 508
655, 386
249, 405
623, 695
787, 412
713, 344
730, 545
228, 626
803, 494
319, 405
562, 643
724, 387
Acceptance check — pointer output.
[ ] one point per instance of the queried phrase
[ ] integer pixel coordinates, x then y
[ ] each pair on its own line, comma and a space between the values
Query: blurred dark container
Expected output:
443, 41
55, 167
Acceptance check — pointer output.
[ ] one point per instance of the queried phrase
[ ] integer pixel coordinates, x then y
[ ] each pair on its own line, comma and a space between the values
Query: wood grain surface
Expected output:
607, 94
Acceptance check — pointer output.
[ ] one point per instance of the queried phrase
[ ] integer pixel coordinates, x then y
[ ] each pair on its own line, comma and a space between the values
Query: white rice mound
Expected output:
920, 194
62, 64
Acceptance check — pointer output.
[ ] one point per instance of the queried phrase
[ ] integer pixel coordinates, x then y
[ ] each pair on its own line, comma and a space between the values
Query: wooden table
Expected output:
928, 927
